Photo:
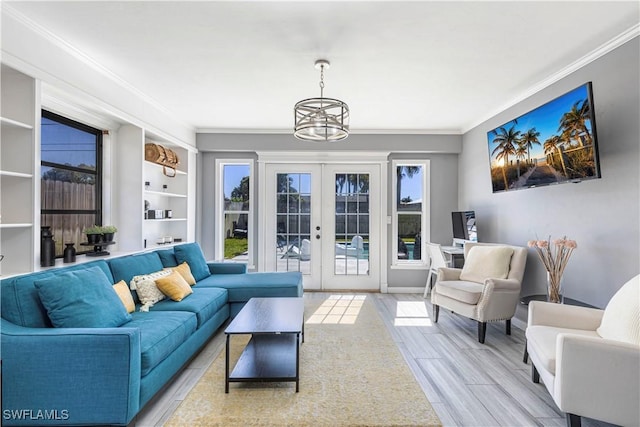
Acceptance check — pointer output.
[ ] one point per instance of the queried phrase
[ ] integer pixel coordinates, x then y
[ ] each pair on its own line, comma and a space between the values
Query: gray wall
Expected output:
442, 150
602, 215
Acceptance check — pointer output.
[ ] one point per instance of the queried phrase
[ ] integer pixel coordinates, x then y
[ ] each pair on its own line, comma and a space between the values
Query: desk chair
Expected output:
438, 260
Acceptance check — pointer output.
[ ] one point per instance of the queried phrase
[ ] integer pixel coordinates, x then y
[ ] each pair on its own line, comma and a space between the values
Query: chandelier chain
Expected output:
322, 81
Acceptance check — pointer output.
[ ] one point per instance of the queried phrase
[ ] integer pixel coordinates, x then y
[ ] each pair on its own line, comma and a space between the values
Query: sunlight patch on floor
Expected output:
412, 313
338, 309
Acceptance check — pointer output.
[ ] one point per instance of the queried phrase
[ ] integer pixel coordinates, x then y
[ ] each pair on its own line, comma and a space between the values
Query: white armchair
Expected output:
486, 289
589, 359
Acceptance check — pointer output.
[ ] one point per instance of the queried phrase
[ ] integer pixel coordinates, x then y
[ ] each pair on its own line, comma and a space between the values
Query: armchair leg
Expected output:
535, 376
437, 312
482, 331
525, 357
508, 327
573, 420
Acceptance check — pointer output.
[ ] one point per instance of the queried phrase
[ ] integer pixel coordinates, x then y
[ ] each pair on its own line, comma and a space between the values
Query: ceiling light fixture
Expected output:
321, 119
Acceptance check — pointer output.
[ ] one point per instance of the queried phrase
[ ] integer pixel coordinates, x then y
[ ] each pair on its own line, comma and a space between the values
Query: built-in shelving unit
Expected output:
163, 193
19, 149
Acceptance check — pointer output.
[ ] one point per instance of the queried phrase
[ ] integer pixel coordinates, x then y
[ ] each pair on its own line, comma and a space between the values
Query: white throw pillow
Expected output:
621, 318
486, 262
145, 286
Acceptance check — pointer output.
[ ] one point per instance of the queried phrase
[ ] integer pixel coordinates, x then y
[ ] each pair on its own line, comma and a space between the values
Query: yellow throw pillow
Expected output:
123, 292
185, 272
174, 286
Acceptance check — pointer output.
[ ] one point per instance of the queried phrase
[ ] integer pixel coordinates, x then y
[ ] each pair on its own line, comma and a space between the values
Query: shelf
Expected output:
165, 219
15, 123
178, 171
16, 225
15, 174
165, 194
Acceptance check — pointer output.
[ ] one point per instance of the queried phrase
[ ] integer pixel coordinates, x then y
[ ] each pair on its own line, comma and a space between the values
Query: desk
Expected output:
455, 254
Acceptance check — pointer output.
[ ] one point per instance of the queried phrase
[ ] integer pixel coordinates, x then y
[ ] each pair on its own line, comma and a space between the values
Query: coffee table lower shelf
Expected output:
267, 358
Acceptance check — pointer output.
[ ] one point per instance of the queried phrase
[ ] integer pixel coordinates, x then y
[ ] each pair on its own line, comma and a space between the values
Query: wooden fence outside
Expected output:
67, 228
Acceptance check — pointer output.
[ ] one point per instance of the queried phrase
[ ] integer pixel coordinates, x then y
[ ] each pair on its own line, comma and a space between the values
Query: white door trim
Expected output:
353, 157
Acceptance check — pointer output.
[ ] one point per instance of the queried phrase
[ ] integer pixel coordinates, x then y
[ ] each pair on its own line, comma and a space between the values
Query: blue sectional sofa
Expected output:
105, 375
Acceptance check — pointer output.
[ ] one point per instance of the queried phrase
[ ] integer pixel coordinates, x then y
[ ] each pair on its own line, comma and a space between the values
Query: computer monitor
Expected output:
464, 226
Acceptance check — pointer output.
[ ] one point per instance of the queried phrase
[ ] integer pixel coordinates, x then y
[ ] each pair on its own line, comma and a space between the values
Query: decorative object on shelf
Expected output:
107, 232
321, 119
164, 187
94, 234
47, 247
168, 213
69, 254
555, 256
166, 157
98, 248
147, 185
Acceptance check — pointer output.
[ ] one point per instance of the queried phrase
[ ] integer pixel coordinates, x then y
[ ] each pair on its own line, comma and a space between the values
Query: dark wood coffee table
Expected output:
276, 326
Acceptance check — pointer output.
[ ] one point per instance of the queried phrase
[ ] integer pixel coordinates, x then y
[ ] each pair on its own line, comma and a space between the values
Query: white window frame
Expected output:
426, 204
220, 212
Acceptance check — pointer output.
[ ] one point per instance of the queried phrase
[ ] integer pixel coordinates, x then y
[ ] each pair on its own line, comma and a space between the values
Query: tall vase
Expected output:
69, 254
554, 288
47, 247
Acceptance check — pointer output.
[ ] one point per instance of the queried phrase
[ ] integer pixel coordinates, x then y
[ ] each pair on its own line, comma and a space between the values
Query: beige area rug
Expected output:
351, 374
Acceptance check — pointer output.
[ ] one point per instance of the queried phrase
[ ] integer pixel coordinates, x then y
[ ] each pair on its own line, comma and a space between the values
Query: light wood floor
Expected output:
468, 383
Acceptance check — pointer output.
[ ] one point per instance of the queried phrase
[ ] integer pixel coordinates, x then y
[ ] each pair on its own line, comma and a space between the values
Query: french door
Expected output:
324, 221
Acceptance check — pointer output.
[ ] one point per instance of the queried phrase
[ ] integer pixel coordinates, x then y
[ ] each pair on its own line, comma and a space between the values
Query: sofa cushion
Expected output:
205, 303
21, 303
126, 267
242, 287
621, 318
167, 257
460, 290
174, 286
191, 253
484, 262
161, 334
82, 299
123, 292
543, 340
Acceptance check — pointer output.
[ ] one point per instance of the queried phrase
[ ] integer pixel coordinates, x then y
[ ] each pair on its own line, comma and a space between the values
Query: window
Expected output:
71, 183
410, 212
235, 219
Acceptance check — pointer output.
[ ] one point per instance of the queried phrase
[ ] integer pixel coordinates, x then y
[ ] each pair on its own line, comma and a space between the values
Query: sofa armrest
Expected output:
564, 316
598, 378
446, 273
498, 285
227, 267
85, 375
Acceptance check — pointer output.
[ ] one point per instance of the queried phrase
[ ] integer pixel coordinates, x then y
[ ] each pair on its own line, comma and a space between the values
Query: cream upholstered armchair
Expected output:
589, 359
486, 289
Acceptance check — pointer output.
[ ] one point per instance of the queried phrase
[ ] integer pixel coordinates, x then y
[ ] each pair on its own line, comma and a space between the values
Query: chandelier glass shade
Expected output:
321, 119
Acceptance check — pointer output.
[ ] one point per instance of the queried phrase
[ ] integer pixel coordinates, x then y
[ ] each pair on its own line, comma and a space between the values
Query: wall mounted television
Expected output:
553, 144
464, 226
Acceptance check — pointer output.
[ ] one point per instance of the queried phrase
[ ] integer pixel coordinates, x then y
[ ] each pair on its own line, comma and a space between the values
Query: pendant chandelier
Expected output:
321, 119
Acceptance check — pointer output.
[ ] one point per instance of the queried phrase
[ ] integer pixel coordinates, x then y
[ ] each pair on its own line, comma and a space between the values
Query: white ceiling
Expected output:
401, 66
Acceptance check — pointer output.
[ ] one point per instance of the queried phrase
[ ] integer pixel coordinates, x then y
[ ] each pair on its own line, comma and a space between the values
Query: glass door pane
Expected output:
351, 250
293, 222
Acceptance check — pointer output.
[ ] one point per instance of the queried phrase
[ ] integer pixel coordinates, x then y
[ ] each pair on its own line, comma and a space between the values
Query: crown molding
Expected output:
352, 132
602, 50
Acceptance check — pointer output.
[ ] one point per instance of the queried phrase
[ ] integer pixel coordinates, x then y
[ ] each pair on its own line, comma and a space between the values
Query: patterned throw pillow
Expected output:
146, 288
